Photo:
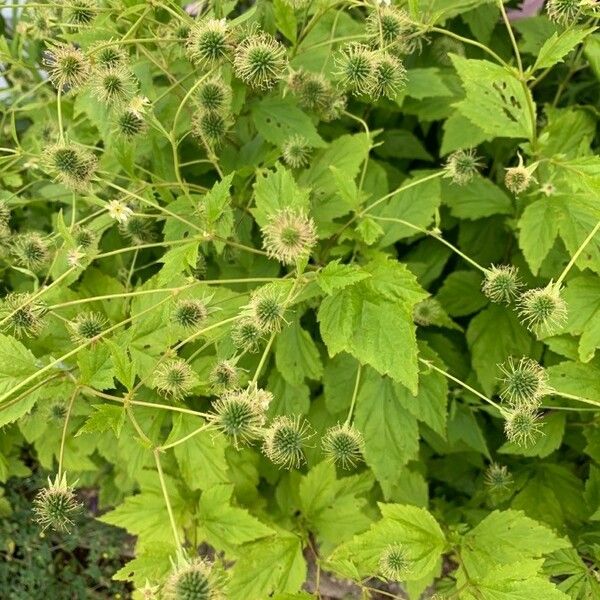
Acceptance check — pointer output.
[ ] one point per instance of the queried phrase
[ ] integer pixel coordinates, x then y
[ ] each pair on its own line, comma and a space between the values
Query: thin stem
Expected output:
436, 237
59, 111
511, 35
354, 395
471, 42
575, 256
63, 437
576, 398
462, 384
185, 438
163, 486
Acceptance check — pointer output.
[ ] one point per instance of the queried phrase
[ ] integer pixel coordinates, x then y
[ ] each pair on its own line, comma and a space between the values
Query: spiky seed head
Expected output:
543, 310
68, 67
523, 383
392, 29
394, 563
87, 326
83, 237
284, 441
312, 89
239, 416
356, 68
260, 61
342, 444
210, 126
30, 251
501, 283
427, 312
4, 213
190, 313
334, 107
107, 57
119, 211
461, 166
42, 23
130, 124
289, 236
192, 580
564, 12
75, 166
23, 317
389, 77
246, 335
56, 505
208, 42
114, 87
498, 478
223, 376
214, 95
174, 378
80, 12
267, 309
139, 229
296, 151
523, 426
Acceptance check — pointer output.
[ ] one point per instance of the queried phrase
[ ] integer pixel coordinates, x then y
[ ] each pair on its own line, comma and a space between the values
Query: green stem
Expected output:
63, 437
354, 395
471, 42
163, 486
576, 398
185, 438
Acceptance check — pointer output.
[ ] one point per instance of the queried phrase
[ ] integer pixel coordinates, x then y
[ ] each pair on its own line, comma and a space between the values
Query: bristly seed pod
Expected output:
223, 376
389, 77
174, 378
214, 95
518, 179
192, 580
543, 310
289, 236
107, 57
130, 124
24, 318
210, 127
296, 151
461, 166
80, 12
87, 326
267, 309
68, 68
240, 414
190, 313
564, 12
501, 283
343, 444
356, 68
30, 251
139, 229
524, 383
208, 42
260, 61
246, 335
55, 505
75, 166
394, 563
497, 478
427, 312
284, 441
392, 29
114, 87
523, 426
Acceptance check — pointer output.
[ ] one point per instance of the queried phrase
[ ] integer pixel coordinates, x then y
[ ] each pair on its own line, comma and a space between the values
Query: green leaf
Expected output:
506, 537
296, 355
576, 378
558, 46
538, 227
336, 276
217, 213
275, 191
122, 364
96, 367
16, 363
494, 335
480, 198
104, 418
495, 100
461, 293
178, 260
201, 458
414, 528
268, 566
225, 526
372, 320
553, 431
277, 119
390, 431
425, 83
150, 564
582, 296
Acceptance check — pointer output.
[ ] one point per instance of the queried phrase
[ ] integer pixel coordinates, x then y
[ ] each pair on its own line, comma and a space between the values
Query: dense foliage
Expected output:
308, 291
